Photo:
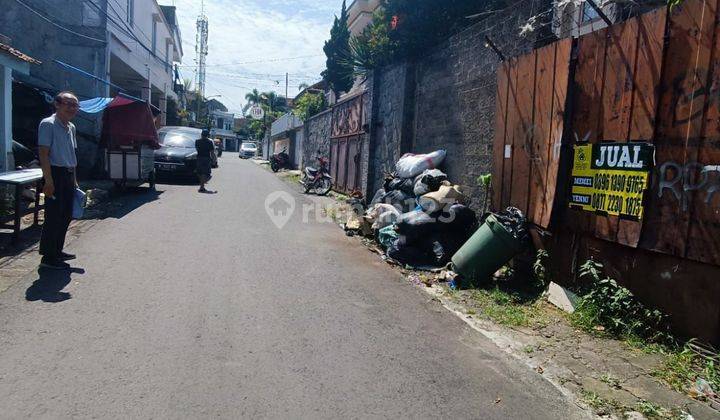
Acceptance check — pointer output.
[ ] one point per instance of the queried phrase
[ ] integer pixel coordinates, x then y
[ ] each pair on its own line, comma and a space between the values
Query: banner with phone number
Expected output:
611, 178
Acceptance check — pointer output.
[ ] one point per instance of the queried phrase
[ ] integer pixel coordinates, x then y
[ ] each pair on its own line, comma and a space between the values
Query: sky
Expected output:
253, 43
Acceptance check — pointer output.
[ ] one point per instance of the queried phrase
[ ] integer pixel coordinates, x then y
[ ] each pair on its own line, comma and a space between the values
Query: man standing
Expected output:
205, 147
57, 144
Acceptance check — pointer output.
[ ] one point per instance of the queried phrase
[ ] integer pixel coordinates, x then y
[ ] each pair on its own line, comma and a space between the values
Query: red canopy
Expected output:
128, 122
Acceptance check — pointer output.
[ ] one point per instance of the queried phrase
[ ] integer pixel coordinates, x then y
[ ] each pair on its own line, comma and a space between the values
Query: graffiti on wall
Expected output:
682, 180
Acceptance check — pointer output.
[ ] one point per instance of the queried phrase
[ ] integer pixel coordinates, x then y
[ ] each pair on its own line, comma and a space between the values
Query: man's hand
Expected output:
49, 189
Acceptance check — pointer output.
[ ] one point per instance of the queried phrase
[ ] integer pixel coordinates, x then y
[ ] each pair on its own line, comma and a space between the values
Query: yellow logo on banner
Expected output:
611, 179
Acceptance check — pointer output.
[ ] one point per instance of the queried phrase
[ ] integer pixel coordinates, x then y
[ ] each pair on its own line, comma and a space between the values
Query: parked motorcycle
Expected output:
279, 161
318, 180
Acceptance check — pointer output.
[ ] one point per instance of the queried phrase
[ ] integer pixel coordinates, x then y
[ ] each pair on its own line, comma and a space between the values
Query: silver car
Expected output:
248, 150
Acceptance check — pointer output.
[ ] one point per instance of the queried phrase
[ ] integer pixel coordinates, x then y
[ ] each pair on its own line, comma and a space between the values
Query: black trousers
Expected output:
58, 212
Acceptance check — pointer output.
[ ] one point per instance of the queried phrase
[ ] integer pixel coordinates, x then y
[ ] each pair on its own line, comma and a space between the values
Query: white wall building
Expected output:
223, 124
360, 14
144, 41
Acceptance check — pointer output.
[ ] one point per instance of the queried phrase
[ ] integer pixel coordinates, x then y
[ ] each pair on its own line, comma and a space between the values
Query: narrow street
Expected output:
197, 306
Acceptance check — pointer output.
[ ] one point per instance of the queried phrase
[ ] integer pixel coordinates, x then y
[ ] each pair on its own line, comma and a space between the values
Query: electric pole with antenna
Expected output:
201, 48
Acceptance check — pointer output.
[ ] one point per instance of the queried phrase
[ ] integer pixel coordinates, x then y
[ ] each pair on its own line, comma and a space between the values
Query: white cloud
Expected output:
265, 34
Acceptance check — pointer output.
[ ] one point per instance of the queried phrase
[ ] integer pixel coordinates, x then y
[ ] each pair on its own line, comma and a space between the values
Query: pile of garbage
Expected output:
419, 217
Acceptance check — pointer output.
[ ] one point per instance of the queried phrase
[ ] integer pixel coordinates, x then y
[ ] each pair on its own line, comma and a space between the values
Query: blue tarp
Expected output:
95, 105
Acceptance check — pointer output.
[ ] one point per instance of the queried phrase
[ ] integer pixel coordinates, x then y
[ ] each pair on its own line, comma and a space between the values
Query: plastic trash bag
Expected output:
429, 181
410, 165
441, 199
79, 204
404, 253
459, 219
383, 215
387, 235
398, 199
416, 225
402, 184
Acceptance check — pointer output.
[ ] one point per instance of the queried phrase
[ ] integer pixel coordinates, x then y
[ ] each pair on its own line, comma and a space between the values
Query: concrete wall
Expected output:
45, 42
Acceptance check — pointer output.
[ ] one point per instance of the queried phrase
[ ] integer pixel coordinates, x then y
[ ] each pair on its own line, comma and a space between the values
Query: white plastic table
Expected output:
20, 179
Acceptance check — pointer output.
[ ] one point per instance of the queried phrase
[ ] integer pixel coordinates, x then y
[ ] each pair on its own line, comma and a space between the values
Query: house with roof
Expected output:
11, 60
95, 49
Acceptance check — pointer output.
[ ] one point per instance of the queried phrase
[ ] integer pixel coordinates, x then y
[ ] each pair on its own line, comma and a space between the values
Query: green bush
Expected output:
614, 308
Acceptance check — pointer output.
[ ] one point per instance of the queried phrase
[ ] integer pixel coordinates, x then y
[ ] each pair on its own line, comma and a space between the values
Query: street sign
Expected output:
256, 112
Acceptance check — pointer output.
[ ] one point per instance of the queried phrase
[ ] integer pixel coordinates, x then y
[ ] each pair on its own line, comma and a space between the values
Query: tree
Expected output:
339, 71
373, 48
308, 105
416, 25
303, 86
253, 97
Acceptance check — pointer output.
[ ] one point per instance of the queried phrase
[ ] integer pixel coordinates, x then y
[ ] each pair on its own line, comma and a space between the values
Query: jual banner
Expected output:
611, 178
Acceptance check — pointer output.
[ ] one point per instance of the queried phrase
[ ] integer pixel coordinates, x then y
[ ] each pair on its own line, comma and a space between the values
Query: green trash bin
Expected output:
485, 252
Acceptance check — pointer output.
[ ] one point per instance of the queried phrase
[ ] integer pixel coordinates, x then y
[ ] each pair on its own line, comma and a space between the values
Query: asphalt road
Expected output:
198, 306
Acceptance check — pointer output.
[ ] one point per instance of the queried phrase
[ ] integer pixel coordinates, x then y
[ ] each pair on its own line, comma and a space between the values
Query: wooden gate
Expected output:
346, 144
654, 78
531, 95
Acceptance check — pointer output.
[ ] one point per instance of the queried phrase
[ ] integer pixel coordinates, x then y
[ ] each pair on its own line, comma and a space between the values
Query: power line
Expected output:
272, 60
58, 25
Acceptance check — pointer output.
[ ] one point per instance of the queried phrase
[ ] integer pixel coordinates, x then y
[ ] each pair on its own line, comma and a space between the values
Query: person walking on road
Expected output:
205, 148
57, 146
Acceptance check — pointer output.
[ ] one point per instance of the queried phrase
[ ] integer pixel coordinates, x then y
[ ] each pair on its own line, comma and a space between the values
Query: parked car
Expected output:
248, 150
177, 156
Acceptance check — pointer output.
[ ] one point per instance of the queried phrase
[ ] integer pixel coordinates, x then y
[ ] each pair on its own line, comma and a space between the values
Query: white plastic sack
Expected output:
411, 165
79, 204
383, 215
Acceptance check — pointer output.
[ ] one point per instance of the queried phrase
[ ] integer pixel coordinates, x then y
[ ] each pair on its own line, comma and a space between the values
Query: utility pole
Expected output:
287, 80
201, 48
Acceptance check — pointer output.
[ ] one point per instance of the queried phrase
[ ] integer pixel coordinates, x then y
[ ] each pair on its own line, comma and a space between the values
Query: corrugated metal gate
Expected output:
345, 144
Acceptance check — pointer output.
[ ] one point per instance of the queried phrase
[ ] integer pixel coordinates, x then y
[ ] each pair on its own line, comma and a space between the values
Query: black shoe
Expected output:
64, 256
54, 264
202, 190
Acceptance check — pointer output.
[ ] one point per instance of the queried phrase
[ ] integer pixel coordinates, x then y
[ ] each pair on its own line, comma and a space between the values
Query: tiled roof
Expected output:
17, 54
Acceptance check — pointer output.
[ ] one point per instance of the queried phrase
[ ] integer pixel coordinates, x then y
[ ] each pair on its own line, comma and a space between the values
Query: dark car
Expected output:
178, 156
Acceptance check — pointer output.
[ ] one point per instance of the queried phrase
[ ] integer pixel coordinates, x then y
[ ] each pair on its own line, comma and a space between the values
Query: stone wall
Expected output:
446, 100
317, 137
387, 126
455, 96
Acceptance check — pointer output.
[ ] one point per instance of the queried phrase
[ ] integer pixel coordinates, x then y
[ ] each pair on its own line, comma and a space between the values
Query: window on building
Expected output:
167, 57
130, 11
154, 36
589, 13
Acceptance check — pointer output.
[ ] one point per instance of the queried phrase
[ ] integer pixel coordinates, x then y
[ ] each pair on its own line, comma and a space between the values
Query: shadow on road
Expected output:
49, 285
122, 204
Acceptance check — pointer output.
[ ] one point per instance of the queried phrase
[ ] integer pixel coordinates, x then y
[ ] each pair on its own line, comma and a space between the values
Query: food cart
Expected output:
130, 137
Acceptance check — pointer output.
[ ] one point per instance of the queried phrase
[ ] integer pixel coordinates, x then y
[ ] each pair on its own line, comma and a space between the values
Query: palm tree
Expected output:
254, 97
272, 100
303, 86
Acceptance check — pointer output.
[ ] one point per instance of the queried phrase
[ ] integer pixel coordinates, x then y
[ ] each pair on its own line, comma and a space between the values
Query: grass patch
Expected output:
600, 405
502, 307
685, 366
612, 381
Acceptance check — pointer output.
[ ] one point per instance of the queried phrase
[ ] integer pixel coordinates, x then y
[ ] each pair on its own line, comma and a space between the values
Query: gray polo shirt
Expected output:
60, 140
